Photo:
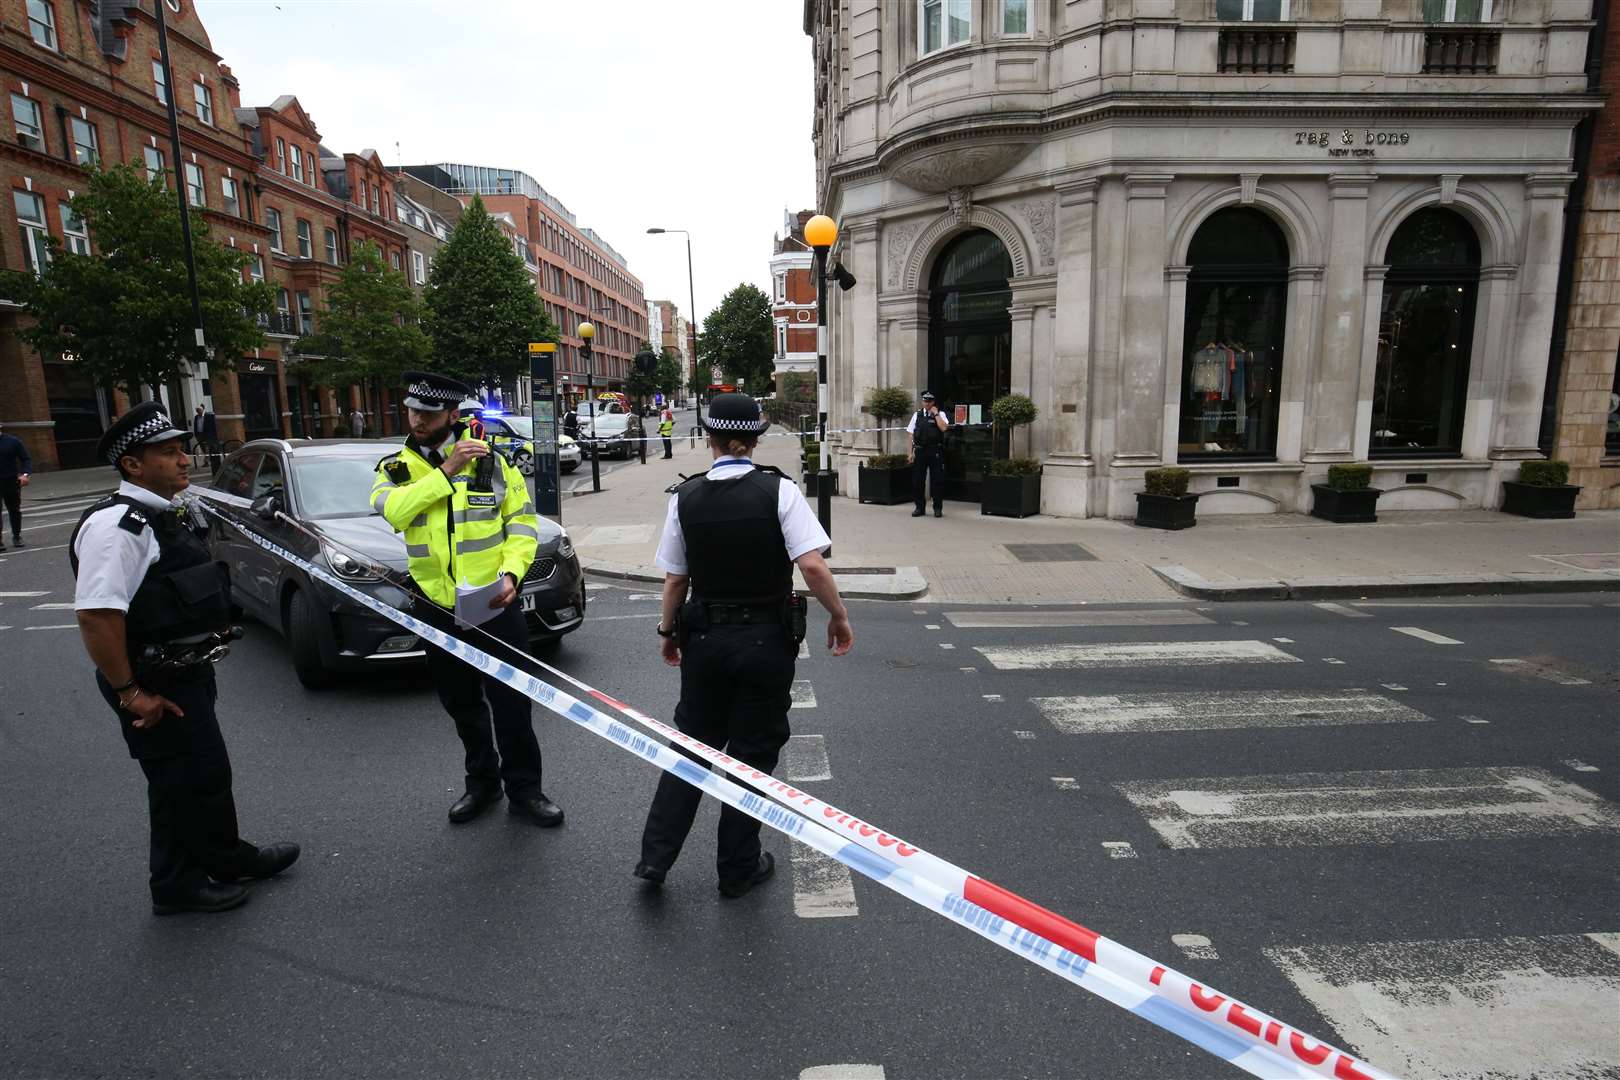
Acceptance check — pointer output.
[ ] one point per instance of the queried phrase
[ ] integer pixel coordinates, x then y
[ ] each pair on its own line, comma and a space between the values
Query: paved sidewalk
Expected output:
967, 557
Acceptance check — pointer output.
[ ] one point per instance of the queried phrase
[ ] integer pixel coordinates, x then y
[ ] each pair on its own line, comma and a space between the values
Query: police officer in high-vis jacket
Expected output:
469, 522
154, 613
732, 537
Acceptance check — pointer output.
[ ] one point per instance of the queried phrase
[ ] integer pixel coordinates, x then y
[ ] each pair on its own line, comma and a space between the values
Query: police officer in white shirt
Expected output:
153, 610
927, 455
732, 537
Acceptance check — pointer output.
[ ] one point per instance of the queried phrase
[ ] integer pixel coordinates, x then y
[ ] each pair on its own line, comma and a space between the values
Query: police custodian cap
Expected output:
143, 425
427, 391
734, 414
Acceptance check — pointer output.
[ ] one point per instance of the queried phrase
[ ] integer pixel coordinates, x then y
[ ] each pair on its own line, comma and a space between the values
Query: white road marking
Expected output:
804, 695
986, 620
616, 618
644, 596
1023, 734
1195, 946
946, 645
1340, 609
1119, 849
1386, 807
1210, 711
1331, 660
1238, 622
1474, 720
967, 670
991, 697
842, 1072
1283, 640
1430, 604
822, 886
1581, 766
33, 549
1541, 671
1135, 654
931, 626
806, 759
804, 650
919, 611
1525, 1006
51, 607
10, 595
1065, 783
1392, 686
1425, 635
5, 628
618, 534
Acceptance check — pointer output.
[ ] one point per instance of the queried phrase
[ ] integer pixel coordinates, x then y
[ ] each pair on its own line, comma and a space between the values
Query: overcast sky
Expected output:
632, 112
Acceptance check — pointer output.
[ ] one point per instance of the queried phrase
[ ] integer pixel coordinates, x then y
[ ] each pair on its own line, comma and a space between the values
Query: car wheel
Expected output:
524, 462
303, 635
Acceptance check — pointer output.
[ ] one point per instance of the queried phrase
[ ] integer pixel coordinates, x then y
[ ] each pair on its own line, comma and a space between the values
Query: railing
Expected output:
1460, 52
1255, 52
278, 324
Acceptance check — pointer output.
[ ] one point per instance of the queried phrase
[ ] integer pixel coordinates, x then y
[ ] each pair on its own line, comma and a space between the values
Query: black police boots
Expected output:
209, 897
731, 890
535, 807
472, 804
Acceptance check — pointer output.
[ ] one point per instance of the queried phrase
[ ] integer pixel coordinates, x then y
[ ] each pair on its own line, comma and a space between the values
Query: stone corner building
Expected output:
1249, 237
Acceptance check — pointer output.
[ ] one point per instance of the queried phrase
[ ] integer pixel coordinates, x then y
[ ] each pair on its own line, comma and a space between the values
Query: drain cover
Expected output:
1049, 553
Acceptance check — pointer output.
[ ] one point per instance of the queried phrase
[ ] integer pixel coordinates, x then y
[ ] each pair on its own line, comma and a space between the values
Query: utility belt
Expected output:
180, 657
791, 613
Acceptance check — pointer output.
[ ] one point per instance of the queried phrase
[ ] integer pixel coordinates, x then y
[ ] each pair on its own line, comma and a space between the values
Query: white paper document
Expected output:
472, 603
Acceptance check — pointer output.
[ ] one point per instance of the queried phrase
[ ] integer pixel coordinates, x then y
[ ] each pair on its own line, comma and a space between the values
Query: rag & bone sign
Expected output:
1352, 142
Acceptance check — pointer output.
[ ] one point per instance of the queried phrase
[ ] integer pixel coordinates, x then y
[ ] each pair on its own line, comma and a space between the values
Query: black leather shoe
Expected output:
16, 541
537, 808
208, 897
472, 804
939, 512
648, 874
731, 890
271, 861
918, 512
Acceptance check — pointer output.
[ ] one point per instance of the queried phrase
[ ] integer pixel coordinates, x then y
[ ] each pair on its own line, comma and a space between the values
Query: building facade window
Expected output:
1232, 344
1611, 436
306, 314
42, 23
284, 306
396, 259
1425, 335
1462, 11
306, 249
205, 103
364, 188
153, 157
781, 287
195, 194
256, 268
272, 220
86, 148
31, 228
1253, 10
1015, 17
418, 268
160, 82
942, 23
75, 236
30, 122
281, 156
296, 156
228, 191
781, 341
331, 246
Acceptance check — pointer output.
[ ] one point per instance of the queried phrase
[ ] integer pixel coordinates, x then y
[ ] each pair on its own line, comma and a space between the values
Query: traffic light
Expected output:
646, 362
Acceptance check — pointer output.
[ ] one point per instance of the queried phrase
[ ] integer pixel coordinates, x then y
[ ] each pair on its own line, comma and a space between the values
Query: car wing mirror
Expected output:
265, 507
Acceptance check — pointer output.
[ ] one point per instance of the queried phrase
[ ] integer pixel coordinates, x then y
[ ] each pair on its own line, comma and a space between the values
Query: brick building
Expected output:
674, 332
793, 296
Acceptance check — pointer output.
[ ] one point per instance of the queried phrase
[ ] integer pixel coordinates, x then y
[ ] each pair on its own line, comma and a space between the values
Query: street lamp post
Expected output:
820, 232
586, 333
691, 298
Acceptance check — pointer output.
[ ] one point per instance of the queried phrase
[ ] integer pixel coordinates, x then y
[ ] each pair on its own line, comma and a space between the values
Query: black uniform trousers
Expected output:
736, 689
477, 703
11, 495
188, 786
669, 447
929, 462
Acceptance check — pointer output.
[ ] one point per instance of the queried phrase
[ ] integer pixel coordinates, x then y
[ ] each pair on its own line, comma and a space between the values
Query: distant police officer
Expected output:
153, 608
927, 454
666, 431
468, 520
732, 536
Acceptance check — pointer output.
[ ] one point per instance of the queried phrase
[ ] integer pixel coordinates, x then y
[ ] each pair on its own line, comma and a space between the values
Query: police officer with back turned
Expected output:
153, 610
732, 536
468, 521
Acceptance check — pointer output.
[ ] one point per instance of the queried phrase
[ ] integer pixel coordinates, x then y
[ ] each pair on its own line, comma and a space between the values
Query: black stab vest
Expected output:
925, 433
184, 594
735, 551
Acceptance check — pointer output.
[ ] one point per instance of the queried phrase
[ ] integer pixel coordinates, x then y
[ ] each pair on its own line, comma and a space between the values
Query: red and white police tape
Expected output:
1248, 1038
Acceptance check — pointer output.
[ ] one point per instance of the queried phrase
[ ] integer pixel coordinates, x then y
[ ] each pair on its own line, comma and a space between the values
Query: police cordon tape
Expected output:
1227, 1028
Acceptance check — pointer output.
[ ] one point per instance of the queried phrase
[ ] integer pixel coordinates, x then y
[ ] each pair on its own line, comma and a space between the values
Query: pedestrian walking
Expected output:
15, 466
205, 432
927, 455
731, 539
357, 423
154, 610
666, 431
468, 524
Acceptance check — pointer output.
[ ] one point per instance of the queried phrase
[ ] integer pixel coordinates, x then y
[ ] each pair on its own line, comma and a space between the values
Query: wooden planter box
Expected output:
1166, 511
812, 487
1539, 501
1345, 507
1010, 496
885, 487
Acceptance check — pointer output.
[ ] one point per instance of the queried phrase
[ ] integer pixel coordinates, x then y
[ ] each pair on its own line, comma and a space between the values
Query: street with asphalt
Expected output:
1388, 817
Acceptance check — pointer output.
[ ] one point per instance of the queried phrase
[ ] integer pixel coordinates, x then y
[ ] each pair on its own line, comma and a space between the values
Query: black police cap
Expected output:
734, 414
428, 391
143, 425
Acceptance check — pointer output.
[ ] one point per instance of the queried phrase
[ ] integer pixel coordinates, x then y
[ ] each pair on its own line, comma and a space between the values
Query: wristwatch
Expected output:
661, 632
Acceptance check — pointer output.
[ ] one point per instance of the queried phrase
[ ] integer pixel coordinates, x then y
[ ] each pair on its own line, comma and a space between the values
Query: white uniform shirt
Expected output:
113, 561
800, 530
911, 425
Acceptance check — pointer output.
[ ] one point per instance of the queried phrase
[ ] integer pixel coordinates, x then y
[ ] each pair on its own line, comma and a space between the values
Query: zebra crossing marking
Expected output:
1540, 671
804, 650
51, 607
991, 697
822, 886
1013, 620
1195, 946
1119, 849
1206, 710
55, 626
806, 759
22, 595
1374, 807
804, 695
1134, 654
1425, 635
843, 1072
1340, 609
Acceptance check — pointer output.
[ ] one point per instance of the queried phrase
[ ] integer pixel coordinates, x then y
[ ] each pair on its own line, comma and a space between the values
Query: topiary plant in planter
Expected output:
1012, 486
1348, 496
1165, 503
1542, 490
886, 479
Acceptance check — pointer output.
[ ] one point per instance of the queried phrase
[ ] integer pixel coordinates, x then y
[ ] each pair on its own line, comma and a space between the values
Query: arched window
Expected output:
969, 344
1425, 334
1232, 350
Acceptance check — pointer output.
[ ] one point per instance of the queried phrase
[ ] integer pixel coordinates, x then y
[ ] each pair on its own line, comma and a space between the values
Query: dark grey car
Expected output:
325, 485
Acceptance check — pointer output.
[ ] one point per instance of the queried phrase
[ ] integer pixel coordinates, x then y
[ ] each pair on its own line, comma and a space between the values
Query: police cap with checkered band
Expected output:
144, 425
734, 414
428, 391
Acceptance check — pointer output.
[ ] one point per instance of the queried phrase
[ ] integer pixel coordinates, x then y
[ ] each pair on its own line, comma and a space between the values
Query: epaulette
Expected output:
684, 479
134, 520
397, 471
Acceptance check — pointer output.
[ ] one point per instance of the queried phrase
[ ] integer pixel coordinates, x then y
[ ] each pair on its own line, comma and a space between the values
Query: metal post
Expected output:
179, 171
590, 397
824, 476
691, 299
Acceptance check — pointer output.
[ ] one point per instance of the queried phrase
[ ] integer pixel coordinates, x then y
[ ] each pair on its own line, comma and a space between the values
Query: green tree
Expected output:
371, 328
124, 312
702, 376
668, 375
639, 385
482, 307
737, 338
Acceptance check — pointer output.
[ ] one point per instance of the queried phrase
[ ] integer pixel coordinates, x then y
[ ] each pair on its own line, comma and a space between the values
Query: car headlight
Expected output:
347, 568
564, 548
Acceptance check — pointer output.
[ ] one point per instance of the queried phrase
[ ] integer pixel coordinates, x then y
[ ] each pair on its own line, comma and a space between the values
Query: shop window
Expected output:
1232, 347
160, 82
1425, 334
31, 228
75, 235
195, 194
86, 147
42, 23
153, 157
30, 122
942, 23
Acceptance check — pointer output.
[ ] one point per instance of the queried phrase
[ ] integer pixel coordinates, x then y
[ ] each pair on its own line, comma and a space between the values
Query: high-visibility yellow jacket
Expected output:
666, 427
453, 535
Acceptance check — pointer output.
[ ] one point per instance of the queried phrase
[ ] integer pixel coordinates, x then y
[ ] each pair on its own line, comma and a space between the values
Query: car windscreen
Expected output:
521, 426
335, 487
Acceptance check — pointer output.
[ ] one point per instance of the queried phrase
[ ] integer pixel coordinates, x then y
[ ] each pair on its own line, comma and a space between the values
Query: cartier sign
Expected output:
257, 367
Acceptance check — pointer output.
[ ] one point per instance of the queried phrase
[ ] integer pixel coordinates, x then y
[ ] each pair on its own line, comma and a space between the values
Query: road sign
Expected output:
542, 347
543, 415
